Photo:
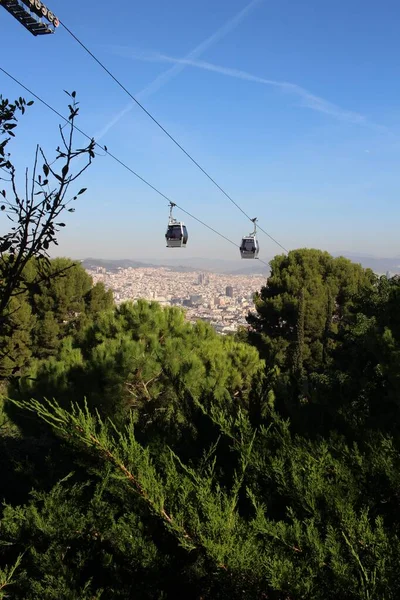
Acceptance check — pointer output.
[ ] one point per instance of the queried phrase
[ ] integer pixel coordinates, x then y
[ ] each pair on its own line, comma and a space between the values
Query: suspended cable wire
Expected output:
171, 137
120, 162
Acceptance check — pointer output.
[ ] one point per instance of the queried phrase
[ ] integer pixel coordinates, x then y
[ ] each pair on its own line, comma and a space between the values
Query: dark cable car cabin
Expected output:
33, 15
177, 235
249, 248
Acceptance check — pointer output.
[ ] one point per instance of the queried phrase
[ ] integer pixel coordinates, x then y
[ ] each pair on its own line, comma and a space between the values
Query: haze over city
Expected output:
281, 103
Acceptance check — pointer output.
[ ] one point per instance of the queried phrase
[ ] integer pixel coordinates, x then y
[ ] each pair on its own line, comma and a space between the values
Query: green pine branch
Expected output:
7, 577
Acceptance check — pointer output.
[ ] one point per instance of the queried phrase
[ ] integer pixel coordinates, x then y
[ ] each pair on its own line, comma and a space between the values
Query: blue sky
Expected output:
292, 107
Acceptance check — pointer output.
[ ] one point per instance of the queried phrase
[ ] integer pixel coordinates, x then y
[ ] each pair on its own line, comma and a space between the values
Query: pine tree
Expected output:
320, 276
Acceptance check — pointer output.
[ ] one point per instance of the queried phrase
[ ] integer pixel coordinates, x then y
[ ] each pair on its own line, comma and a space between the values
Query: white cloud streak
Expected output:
178, 67
308, 99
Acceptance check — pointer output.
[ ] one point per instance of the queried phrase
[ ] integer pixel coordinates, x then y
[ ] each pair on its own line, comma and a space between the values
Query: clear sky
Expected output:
292, 107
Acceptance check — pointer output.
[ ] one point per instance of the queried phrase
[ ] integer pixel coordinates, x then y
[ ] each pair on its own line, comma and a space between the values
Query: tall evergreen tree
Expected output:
321, 277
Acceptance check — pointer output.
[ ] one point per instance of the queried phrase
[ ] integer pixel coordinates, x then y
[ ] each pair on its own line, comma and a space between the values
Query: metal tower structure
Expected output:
33, 15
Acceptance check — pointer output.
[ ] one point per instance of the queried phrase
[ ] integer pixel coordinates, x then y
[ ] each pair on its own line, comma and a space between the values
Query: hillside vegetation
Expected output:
143, 456
146, 457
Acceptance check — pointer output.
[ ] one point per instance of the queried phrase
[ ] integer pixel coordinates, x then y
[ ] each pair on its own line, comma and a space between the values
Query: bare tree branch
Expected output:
34, 218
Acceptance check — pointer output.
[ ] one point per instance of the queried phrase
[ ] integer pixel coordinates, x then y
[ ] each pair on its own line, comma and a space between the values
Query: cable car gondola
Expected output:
249, 248
177, 235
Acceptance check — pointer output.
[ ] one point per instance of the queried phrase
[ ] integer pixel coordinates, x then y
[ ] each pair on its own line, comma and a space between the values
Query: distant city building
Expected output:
203, 279
196, 299
229, 291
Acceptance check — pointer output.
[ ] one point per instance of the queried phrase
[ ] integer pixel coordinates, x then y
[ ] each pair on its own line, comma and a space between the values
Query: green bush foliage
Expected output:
147, 457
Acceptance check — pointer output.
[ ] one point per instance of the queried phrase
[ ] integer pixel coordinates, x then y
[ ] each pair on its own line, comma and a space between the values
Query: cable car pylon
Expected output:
33, 15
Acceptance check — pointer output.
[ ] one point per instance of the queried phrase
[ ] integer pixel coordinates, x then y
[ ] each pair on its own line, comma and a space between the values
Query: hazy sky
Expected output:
292, 107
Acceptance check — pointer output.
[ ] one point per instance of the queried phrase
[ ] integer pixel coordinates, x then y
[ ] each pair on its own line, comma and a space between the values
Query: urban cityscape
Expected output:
223, 300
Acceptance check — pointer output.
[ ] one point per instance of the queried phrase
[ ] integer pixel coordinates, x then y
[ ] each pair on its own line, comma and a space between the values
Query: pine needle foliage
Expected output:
7, 577
294, 518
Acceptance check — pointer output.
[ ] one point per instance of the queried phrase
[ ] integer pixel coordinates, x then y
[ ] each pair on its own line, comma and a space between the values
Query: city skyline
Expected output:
222, 300
377, 264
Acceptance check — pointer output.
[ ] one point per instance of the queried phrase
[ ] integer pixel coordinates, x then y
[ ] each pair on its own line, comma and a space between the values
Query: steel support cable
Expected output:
120, 162
171, 137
